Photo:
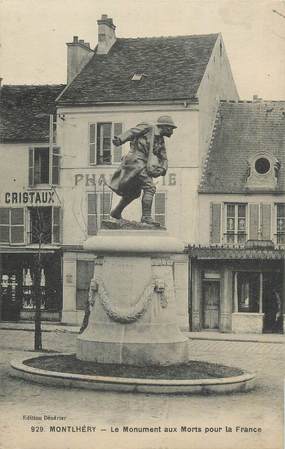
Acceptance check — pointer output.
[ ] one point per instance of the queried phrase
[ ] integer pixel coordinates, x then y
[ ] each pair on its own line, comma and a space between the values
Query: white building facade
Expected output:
100, 103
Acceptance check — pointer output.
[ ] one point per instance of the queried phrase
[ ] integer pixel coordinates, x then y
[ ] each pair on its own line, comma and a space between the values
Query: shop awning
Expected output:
28, 249
231, 253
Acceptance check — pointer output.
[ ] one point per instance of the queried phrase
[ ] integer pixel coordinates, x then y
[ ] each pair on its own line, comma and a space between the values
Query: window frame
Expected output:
247, 302
98, 216
10, 226
279, 234
157, 215
53, 168
93, 161
58, 225
236, 233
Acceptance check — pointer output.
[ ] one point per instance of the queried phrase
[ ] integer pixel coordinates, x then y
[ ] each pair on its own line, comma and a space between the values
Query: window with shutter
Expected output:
215, 232
117, 151
17, 225
92, 214
4, 225
55, 166
260, 221
56, 224
101, 149
235, 223
98, 209
31, 167
12, 225
254, 230
92, 143
105, 206
41, 225
280, 223
104, 143
160, 208
265, 221
39, 166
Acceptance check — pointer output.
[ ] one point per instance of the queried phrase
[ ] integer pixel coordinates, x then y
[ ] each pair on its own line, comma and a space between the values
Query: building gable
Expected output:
143, 69
244, 131
25, 110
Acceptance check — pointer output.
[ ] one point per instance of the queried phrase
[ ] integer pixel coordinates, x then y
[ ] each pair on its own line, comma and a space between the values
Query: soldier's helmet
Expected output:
165, 120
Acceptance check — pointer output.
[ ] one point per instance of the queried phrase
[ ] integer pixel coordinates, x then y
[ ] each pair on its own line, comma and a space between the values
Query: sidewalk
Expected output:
261, 338
46, 326
204, 335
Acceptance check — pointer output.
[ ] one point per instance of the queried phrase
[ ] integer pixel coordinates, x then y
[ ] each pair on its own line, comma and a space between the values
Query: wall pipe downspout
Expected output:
190, 291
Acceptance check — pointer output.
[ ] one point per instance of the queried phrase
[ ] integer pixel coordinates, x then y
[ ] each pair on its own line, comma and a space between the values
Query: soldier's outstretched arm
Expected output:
132, 133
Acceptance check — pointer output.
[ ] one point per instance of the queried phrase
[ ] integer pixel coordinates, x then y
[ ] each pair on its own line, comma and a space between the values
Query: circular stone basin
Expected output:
191, 377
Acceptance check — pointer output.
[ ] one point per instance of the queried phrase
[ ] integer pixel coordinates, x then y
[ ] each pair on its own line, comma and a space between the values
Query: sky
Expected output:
33, 35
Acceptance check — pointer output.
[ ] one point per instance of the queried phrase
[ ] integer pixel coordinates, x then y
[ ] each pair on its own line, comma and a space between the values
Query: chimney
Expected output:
78, 54
256, 99
106, 34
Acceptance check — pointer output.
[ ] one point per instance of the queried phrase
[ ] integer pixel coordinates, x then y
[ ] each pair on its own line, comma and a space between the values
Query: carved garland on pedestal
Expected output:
133, 313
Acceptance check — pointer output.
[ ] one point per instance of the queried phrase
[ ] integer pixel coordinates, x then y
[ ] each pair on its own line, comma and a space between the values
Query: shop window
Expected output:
160, 207
235, 227
40, 162
280, 223
12, 225
99, 206
101, 149
49, 288
248, 288
44, 225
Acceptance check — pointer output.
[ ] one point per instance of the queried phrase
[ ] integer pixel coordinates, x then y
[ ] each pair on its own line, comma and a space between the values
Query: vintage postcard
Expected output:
142, 224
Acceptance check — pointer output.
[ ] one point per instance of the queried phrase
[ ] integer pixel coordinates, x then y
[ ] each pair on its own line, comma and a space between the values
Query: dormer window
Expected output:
137, 76
262, 165
263, 169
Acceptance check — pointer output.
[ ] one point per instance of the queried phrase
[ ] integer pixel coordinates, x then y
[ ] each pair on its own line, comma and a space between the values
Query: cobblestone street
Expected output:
261, 408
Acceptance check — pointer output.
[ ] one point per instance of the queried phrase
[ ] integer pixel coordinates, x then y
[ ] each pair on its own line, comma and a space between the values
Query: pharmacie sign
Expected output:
92, 179
30, 198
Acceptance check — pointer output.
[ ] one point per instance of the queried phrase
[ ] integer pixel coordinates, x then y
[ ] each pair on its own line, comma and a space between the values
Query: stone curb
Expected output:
241, 383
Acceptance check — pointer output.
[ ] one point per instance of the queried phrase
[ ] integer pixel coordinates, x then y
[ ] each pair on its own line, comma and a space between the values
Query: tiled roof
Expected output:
24, 112
242, 130
173, 68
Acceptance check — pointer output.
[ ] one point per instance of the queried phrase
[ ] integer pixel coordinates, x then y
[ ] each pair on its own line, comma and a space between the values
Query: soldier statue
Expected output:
146, 160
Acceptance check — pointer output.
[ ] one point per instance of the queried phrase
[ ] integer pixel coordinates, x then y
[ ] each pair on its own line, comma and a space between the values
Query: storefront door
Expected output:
272, 303
211, 304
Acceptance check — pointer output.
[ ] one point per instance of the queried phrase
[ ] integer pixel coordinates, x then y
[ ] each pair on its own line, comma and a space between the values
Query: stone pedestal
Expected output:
133, 320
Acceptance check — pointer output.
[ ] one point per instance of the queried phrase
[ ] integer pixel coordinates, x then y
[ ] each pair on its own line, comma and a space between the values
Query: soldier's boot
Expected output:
117, 211
147, 200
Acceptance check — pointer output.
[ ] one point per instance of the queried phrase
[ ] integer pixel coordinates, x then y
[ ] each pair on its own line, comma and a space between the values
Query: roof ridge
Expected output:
213, 135
166, 37
33, 85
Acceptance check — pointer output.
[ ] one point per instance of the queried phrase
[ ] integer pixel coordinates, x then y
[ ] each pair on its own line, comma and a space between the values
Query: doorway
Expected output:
272, 303
211, 305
